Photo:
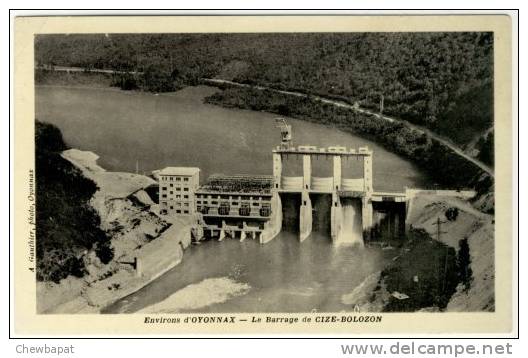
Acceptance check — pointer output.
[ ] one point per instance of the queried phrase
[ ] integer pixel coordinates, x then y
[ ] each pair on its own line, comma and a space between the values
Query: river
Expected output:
178, 129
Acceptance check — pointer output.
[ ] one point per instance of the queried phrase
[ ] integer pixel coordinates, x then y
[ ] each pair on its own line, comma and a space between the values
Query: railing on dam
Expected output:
292, 183
353, 184
322, 184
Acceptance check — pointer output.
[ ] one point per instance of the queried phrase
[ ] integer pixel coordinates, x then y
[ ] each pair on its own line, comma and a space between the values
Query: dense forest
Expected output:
67, 226
443, 81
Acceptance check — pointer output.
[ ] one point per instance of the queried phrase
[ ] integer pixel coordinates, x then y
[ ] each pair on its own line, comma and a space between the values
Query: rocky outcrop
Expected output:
140, 238
478, 228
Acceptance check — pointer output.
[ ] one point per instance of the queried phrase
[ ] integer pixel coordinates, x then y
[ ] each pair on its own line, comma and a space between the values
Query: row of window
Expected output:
186, 204
179, 188
243, 211
165, 178
233, 203
178, 196
178, 211
227, 197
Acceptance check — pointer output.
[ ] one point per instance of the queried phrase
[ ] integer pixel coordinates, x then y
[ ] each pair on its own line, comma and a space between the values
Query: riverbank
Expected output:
467, 282
130, 216
443, 165
62, 78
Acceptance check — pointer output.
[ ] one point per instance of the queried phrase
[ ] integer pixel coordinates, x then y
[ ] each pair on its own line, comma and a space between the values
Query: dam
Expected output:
344, 204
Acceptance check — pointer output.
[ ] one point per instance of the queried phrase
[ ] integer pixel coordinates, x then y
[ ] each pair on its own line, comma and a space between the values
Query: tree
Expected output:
464, 263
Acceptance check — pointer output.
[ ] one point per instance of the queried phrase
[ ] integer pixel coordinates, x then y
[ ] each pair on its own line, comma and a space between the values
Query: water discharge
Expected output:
351, 230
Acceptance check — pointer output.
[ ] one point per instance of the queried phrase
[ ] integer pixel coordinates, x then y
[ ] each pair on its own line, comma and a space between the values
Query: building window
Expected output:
186, 211
171, 192
185, 179
178, 211
265, 210
185, 189
178, 179
255, 204
244, 210
172, 207
171, 185
178, 189
164, 196
185, 204
178, 196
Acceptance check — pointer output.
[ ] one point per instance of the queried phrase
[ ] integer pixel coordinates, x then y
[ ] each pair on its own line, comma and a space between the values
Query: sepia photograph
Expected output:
265, 177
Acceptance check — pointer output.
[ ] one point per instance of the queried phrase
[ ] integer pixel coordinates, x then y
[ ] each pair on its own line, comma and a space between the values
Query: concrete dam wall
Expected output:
343, 223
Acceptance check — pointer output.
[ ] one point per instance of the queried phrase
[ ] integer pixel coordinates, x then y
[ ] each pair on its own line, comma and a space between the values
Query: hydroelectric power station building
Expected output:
242, 206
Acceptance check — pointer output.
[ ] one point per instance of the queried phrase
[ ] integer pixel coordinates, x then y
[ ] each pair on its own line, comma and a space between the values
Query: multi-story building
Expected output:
177, 188
236, 203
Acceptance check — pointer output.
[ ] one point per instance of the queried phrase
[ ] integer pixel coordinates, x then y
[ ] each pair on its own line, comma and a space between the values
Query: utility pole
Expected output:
438, 233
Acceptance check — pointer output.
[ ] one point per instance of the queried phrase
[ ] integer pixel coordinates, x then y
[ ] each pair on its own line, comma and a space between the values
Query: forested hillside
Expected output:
67, 226
439, 162
443, 81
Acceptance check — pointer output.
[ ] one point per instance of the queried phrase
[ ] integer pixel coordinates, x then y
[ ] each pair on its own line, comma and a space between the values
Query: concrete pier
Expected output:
305, 217
274, 226
367, 173
366, 215
221, 237
336, 217
307, 172
277, 170
337, 173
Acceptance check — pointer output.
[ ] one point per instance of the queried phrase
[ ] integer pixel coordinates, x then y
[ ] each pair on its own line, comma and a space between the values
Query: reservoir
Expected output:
178, 129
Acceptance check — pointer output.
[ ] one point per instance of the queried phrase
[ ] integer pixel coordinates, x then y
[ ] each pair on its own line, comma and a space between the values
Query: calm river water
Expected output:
180, 130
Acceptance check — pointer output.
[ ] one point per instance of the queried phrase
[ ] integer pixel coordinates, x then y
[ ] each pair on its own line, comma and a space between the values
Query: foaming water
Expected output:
351, 232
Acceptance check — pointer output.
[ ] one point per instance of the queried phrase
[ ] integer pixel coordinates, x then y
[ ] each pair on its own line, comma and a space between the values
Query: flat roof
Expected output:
257, 184
179, 171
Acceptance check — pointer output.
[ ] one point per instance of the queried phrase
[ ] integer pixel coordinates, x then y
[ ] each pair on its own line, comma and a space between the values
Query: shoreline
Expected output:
137, 220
